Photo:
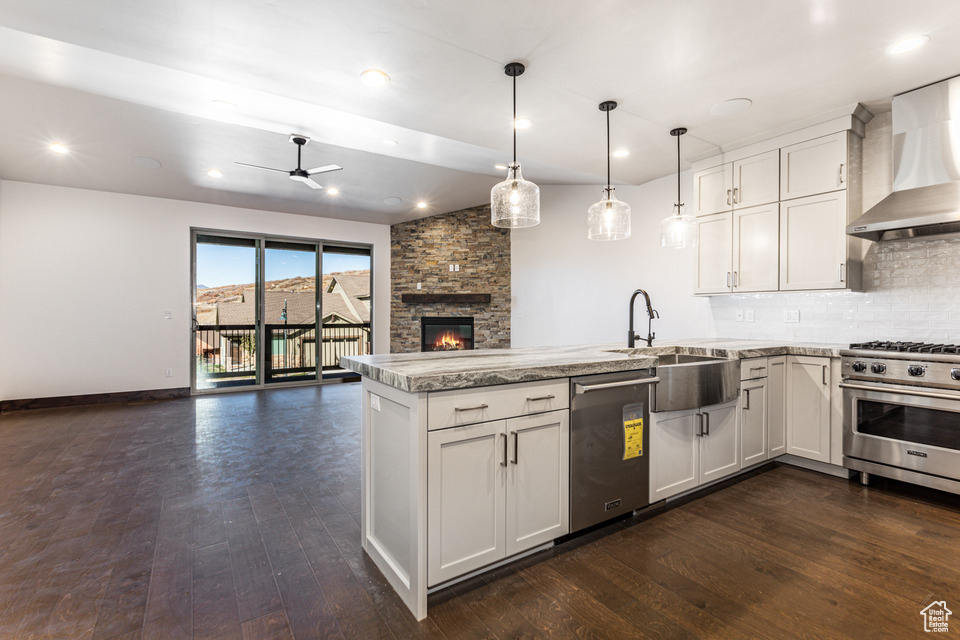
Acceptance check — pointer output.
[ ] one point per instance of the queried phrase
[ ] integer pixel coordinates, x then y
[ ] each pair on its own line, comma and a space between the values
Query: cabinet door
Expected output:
674, 453
808, 407
538, 480
720, 444
756, 255
753, 422
813, 242
756, 180
814, 166
713, 190
465, 499
714, 253
776, 406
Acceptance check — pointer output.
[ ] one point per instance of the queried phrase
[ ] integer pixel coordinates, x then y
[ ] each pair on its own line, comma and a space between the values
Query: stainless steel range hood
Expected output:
926, 167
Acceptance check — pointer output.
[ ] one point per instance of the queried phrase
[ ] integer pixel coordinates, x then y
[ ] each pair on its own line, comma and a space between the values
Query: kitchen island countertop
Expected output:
435, 371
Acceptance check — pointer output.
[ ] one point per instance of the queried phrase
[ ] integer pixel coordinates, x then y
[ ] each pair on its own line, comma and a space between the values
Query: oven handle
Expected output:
923, 394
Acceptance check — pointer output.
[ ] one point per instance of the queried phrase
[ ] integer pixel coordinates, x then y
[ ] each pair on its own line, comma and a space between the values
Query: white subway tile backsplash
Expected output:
912, 292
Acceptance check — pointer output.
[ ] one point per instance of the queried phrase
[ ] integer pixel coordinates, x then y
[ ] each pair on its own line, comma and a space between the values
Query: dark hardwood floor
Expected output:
237, 516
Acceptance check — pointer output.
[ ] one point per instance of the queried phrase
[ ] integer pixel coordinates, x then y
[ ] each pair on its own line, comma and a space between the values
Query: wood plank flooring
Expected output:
237, 516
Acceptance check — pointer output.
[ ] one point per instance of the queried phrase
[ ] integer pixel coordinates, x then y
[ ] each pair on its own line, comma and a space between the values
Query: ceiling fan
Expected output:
298, 174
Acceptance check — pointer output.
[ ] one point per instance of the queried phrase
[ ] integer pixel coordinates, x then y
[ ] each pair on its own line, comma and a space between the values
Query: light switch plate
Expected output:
168, 373
375, 402
451, 267
749, 315
791, 315
418, 286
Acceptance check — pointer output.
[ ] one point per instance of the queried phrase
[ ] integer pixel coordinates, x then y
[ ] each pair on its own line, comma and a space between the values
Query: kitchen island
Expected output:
439, 499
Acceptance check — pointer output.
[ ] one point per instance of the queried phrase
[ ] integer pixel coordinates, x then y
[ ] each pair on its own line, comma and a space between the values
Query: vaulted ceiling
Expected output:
198, 85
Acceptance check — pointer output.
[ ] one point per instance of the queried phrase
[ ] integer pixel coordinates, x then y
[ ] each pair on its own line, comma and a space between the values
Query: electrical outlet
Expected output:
419, 286
749, 315
451, 267
168, 315
791, 315
168, 373
375, 402
739, 315
456, 267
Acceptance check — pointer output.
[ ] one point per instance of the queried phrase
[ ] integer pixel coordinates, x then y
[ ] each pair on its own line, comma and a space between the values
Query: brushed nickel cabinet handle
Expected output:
503, 463
824, 375
728, 278
840, 174
479, 407
699, 433
842, 272
706, 421
736, 197
729, 192
516, 447
746, 399
539, 398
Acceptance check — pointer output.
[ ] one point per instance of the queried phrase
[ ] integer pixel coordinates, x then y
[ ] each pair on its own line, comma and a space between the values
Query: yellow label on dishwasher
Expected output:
632, 438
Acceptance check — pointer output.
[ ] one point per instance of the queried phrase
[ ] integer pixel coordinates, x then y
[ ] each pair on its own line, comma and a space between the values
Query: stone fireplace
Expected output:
446, 334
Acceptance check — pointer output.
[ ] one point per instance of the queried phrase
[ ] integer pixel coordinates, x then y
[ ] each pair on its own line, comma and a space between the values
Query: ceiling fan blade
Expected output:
307, 181
325, 169
257, 166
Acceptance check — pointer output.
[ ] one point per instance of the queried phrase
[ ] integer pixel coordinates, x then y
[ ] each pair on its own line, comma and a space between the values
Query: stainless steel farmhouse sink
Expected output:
691, 381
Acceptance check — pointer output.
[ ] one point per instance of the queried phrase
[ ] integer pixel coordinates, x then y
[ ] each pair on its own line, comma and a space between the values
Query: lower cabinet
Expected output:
776, 406
495, 489
754, 443
808, 407
692, 447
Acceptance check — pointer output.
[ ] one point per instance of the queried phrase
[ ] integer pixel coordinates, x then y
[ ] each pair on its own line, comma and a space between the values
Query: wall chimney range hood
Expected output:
926, 167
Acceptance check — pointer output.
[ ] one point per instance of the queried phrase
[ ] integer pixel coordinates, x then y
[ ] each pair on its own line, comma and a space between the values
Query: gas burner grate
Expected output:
910, 347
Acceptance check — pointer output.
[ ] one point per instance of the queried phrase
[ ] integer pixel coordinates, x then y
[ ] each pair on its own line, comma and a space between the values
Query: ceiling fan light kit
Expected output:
515, 202
608, 219
679, 230
299, 174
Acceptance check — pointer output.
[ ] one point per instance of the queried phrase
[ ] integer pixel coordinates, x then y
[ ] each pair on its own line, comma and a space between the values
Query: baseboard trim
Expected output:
93, 398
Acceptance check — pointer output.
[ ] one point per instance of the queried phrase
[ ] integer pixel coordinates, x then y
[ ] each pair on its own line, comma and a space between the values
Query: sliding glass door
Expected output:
277, 311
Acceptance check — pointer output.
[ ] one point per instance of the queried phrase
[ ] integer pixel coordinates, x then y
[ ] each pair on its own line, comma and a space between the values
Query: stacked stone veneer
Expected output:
423, 250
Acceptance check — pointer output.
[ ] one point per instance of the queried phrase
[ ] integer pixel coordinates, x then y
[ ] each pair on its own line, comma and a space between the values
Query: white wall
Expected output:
570, 290
85, 277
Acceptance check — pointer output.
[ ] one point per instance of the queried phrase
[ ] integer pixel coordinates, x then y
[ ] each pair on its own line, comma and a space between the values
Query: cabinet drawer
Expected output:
467, 406
753, 368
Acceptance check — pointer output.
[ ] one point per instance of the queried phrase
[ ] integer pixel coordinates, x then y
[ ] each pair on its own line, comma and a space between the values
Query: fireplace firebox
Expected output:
446, 334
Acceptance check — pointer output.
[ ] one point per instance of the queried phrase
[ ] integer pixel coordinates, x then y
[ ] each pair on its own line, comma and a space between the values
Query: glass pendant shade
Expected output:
515, 202
608, 219
678, 231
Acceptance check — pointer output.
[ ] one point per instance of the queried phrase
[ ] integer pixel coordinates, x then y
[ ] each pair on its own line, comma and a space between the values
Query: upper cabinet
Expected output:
744, 183
814, 167
776, 221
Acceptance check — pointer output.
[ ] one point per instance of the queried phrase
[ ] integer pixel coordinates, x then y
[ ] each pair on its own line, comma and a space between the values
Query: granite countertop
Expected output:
435, 371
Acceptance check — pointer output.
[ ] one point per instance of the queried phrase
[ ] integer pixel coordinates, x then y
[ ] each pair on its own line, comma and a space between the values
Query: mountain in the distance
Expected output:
202, 286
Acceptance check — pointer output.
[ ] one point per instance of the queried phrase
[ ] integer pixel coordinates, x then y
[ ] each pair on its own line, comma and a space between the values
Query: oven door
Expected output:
906, 427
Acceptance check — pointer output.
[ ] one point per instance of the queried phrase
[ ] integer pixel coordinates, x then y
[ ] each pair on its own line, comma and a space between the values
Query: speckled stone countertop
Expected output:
435, 371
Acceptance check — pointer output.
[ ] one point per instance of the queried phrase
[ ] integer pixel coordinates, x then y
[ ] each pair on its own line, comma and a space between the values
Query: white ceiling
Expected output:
114, 80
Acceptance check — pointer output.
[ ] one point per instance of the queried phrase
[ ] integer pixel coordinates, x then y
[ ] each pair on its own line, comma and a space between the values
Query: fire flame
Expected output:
447, 341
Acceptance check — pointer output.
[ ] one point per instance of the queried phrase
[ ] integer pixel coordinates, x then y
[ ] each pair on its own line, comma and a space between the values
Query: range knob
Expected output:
878, 367
955, 374
860, 367
915, 370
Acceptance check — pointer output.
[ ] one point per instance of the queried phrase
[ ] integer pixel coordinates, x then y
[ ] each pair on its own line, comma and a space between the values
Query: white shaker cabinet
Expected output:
756, 256
815, 166
692, 447
776, 406
754, 444
495, 489
808, 407
714, 253
813, 242
744, 183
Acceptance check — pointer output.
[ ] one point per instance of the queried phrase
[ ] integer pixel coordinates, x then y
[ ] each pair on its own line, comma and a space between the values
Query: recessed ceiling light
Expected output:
620, 153
731, 107
333, 191
215, 173
907, 44
374, 78
226, 104
146, 162
421, 205
56, 147
523, 123
392, 201
501, 167
390, 142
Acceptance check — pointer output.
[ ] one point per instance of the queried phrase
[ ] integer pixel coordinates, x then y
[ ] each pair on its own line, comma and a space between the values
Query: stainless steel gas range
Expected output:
901, 412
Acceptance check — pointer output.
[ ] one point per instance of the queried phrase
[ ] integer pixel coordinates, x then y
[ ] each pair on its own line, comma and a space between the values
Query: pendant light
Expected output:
608, 219
515, 202
679, 230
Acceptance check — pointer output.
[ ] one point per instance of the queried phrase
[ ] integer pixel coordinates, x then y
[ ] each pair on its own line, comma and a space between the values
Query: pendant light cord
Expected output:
678, 174
608, 154
514, 119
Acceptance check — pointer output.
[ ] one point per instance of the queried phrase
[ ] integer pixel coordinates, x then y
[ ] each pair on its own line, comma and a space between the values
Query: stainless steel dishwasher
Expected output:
609, 445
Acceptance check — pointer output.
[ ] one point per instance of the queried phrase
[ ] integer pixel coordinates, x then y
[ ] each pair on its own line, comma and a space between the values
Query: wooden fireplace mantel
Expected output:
445, 298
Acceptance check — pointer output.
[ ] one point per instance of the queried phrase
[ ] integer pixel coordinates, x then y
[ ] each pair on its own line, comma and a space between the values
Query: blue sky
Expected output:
220, 265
